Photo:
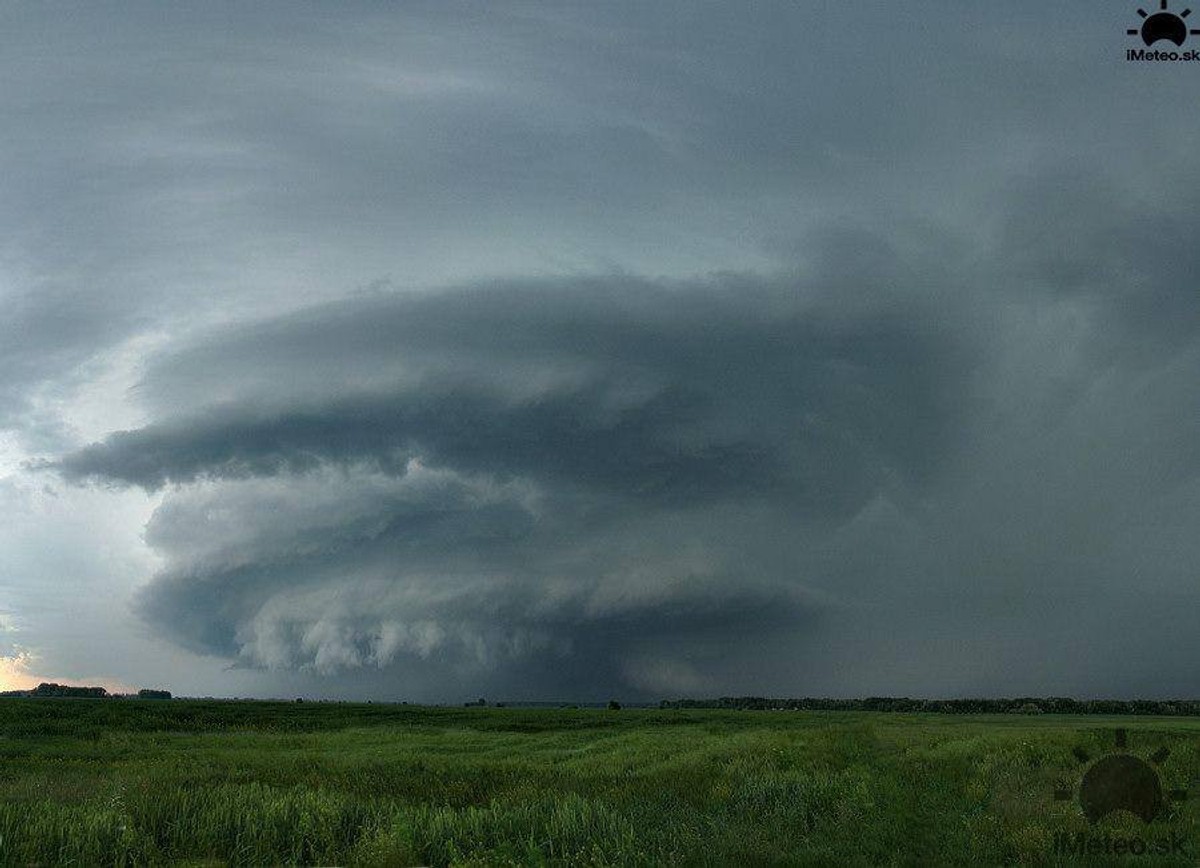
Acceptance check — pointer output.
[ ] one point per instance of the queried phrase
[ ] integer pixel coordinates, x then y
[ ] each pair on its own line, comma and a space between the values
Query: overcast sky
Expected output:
564, 351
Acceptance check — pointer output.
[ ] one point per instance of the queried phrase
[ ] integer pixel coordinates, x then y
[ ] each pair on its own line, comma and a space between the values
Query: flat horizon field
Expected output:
249, 783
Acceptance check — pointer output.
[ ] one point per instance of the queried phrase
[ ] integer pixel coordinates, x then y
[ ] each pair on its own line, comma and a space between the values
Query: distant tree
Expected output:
52, 689
613, 705
153, 694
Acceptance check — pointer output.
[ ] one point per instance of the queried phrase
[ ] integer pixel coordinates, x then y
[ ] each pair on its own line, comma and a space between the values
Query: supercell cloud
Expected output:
511, 474
555, 352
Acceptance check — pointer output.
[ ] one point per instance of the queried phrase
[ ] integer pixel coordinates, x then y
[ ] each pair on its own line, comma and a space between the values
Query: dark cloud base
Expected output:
925, 482
593, 478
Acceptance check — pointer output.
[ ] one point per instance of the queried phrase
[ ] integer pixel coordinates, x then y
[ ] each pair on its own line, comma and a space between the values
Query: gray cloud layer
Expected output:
679, 393
777, 355
611, 464
685, 486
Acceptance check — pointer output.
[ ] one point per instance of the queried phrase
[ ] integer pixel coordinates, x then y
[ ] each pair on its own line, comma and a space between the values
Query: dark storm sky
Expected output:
573, 350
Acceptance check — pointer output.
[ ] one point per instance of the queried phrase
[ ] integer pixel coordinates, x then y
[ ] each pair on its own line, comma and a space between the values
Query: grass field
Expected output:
89, 782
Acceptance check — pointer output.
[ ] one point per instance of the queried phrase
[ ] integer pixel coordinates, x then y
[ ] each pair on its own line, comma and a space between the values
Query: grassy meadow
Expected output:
91, 782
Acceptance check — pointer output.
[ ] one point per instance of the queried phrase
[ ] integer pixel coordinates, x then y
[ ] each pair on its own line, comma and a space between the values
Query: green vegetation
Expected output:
88, 782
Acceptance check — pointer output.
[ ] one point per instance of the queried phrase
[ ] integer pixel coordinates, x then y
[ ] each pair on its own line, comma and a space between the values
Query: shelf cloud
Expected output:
564, 352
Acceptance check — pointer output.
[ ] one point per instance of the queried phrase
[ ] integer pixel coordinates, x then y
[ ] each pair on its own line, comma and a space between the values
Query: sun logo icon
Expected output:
1122, 782
1163, 25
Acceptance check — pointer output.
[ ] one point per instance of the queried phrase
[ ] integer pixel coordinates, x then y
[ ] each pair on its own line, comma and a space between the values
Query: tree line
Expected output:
50, 689
1020, 705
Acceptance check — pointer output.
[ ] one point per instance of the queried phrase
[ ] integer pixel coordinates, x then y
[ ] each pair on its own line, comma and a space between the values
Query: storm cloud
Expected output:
669, 485
552, 464
565, 351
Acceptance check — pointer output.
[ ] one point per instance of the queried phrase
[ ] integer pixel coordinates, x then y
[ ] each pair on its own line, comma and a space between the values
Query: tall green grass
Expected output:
87, 782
